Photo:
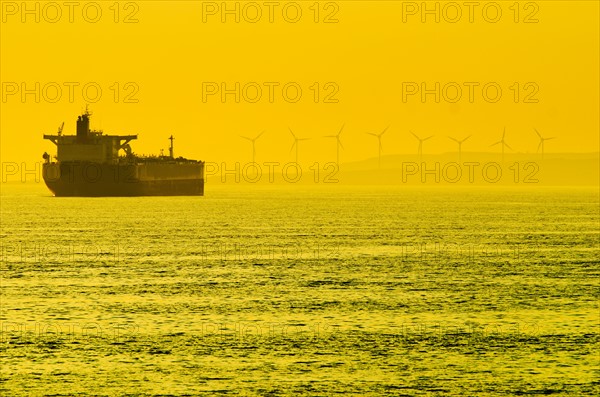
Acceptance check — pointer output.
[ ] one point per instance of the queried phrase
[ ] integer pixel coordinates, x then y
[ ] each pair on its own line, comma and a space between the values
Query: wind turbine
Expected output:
378, 136
421, 140
295, 144
459, 145
253, 140
502, 143
338, 143
542, 139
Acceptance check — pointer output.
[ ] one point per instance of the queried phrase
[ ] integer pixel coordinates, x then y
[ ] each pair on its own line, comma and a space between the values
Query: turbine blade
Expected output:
384, 130
370, 133
430, 136
245, 137
340, 143
455, 140
503, 133
539, 146
466, 138
258, 136
497, 143
552, 137
506, 144
341, 129
329, 136
292, 132
415, 135
293, 145
538, 134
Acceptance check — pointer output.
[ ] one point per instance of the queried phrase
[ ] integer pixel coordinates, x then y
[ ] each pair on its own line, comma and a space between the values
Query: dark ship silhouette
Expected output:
88, 164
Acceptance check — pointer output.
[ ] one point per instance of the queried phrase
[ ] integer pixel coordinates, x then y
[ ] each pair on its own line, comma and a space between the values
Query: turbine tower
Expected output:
253, 140
338, 144
542, 140
378, 136
459, 145
502, 143
421, 140
295, 144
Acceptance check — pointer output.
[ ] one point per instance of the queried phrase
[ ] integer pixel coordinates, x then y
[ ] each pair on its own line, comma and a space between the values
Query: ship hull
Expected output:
121, 180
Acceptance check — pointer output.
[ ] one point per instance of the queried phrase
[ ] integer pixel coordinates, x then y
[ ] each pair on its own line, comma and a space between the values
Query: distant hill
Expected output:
477, 168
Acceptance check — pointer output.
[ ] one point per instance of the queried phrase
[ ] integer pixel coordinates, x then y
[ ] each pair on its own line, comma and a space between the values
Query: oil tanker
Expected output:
92, 164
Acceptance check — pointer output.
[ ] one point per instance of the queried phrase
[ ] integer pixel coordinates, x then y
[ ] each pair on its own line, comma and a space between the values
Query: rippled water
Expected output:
301, 291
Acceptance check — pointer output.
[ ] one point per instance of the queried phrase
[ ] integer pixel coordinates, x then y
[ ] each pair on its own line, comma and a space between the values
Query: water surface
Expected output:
301, 291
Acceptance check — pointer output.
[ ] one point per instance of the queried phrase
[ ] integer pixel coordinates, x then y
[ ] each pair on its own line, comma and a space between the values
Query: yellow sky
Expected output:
366, 57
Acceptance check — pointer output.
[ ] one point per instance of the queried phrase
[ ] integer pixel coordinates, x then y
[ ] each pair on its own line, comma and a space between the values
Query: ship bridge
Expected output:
87, 145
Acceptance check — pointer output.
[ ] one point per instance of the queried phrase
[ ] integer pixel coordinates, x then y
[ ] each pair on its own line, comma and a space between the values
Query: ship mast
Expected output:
171, 148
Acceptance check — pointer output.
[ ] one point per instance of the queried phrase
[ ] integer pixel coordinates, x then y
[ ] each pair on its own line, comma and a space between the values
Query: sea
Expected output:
302, 291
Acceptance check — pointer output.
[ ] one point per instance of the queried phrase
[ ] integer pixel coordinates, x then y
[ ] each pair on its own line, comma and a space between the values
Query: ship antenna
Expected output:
171, 148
